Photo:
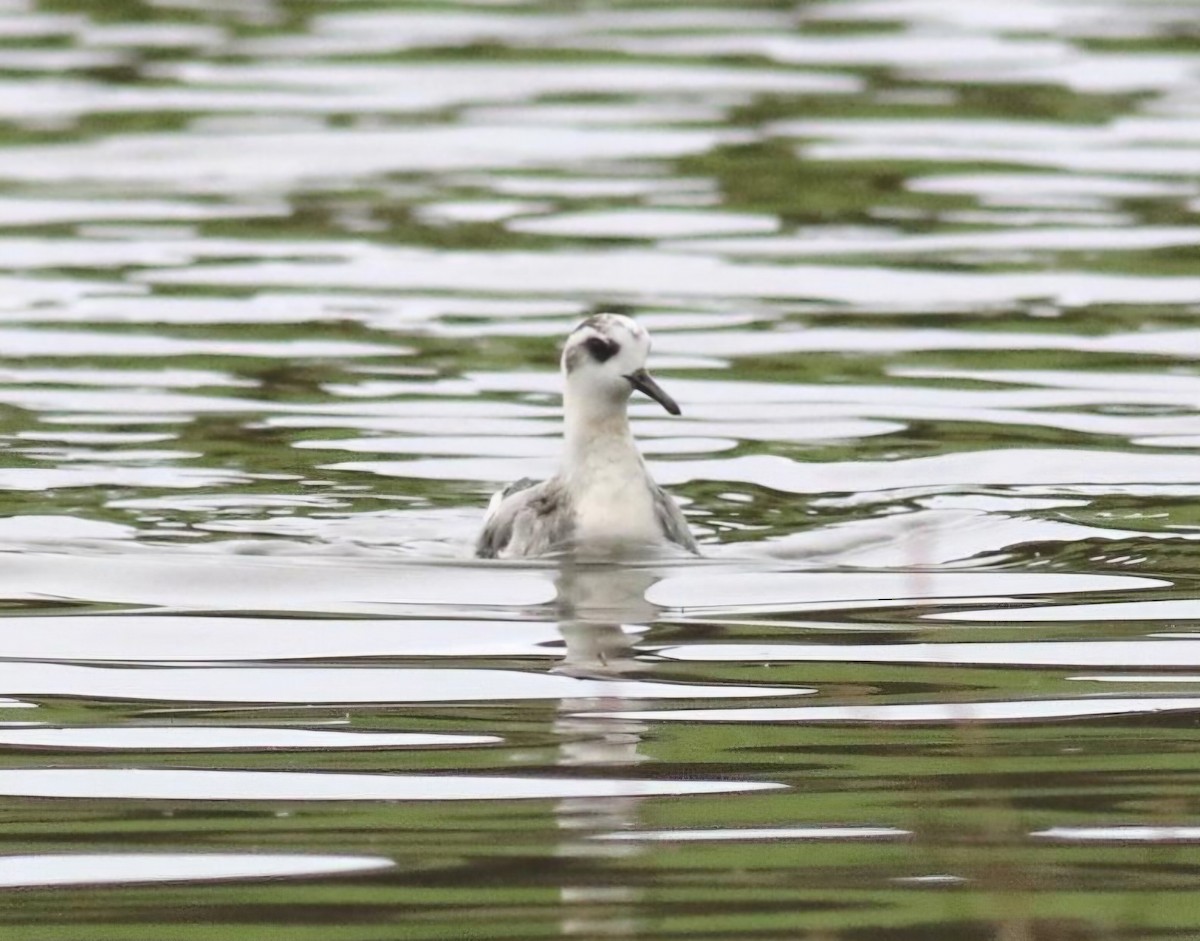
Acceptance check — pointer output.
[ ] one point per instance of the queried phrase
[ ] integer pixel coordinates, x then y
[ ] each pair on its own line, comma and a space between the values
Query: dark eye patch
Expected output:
601, 349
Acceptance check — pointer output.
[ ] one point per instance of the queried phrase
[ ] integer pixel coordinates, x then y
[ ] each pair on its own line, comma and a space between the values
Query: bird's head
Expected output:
604, 359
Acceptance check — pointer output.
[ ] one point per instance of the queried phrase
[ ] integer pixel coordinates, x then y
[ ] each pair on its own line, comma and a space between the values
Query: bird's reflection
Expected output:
601, 610
595, 603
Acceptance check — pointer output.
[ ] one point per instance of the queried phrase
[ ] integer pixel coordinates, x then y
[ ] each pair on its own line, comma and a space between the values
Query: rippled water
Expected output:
283, 284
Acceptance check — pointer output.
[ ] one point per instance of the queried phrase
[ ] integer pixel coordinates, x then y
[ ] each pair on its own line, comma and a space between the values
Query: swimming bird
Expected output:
602, 499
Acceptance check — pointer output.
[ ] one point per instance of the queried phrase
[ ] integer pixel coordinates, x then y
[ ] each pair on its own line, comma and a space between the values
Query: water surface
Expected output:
282, 290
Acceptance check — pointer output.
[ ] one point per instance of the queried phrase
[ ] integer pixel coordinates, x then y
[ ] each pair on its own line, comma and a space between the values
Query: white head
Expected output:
604, 360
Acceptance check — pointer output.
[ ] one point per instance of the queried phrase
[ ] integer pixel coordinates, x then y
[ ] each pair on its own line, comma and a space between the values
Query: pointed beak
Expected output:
644, 382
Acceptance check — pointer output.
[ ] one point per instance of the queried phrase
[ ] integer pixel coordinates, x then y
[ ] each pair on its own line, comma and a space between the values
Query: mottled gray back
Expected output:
527, 519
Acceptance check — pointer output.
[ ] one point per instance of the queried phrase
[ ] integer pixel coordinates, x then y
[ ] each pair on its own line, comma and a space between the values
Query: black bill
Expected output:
644, 382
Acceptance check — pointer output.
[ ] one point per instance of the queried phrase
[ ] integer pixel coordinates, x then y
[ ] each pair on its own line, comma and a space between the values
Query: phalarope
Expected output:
602, 499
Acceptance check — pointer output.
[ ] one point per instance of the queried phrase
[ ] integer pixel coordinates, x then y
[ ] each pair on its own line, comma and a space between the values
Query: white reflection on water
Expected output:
911, 51
223, 738
231, 582
1163, 611
356, 31
762, 833
182, 638
61, 869
276, 162
1076, 18
1126, 653
1049, 470
647, 223
1016, 710
40, 479
402, 86
1048, 189
27, 211
201, 785
1134, 159
489, 210
17, 344
19, 293
1127, 678
145, 378
672, 274
313, 685
1130, 834
924, 537
966, 244
932, 879
835, 590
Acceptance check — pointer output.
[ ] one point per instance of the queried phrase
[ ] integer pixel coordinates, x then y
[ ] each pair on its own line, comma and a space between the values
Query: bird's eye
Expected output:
601, 349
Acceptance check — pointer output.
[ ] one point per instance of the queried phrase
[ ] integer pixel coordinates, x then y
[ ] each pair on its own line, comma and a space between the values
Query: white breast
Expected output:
612, 501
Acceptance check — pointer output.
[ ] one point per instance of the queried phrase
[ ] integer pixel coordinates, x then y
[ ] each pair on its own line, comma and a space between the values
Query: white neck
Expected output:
596, 429
611, 496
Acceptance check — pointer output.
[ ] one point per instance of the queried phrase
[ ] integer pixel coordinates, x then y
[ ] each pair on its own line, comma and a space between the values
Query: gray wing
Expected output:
673, 522
526, 518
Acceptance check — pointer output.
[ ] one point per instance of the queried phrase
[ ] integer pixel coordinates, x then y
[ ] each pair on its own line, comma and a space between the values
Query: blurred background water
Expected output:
283, 283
